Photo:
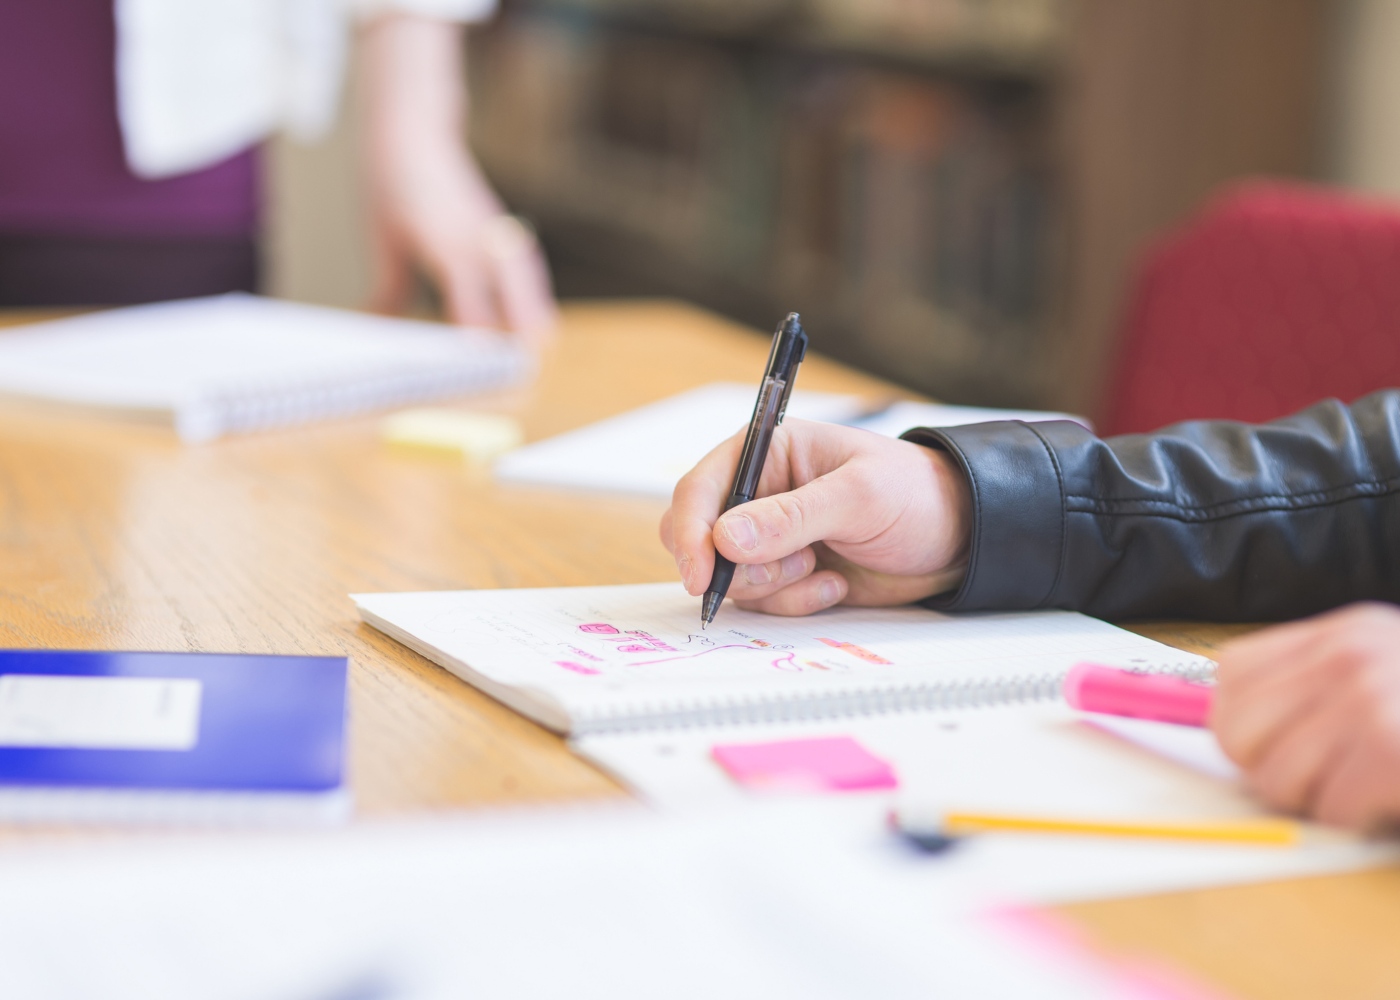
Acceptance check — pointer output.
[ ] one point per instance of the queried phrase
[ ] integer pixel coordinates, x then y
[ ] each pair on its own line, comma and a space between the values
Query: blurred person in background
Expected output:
129, 134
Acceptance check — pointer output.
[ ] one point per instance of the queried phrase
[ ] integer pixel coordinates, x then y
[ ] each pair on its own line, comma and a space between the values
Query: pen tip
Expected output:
709, 606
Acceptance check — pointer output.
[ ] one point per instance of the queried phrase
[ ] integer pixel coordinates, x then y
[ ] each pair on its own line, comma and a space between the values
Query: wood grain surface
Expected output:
114, 535
117, 536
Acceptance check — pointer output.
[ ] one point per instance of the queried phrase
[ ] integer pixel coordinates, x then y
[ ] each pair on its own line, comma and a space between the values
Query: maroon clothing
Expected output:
64, 182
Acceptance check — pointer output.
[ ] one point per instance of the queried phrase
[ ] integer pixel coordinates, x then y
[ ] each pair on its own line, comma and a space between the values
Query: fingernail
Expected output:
793, 566
829, 592
740, 529
757, 574
683, 564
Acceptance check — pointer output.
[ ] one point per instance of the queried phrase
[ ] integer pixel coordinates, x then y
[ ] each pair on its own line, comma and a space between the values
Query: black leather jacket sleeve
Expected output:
1206, 519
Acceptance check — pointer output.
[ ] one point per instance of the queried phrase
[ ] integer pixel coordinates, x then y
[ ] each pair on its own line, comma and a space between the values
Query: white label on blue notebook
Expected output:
99, 713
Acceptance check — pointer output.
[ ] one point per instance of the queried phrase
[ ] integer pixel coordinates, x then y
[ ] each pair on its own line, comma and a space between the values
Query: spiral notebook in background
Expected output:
232, 363
586, 660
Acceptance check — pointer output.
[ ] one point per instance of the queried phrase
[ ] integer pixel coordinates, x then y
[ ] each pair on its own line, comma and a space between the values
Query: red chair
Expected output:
1275, 296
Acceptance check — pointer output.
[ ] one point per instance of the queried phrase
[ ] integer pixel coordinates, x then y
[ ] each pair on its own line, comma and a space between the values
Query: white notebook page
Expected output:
1042, 759
568, 654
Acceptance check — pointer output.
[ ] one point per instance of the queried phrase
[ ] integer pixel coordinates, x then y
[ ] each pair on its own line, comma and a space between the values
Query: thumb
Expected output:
770, 528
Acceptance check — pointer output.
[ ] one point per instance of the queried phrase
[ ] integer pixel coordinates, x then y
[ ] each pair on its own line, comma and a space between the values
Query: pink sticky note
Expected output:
829, 764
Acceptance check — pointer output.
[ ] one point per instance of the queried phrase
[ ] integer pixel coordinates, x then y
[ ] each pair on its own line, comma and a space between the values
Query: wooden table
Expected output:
117, 536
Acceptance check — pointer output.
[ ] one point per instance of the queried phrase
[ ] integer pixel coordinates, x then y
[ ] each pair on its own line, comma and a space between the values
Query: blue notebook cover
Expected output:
195, 722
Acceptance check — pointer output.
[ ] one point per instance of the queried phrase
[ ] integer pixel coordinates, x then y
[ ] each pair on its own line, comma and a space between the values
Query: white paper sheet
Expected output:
1041, 759
645, 451
1037, 759
901, 416
562, 903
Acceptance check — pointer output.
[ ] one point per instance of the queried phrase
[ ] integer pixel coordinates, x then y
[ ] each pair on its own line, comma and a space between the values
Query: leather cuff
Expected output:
1018, 515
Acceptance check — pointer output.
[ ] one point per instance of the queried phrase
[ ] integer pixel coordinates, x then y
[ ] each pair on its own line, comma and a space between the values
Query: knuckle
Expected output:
791, 513
1368, 616
1274, 791
1235, 747
1360, 659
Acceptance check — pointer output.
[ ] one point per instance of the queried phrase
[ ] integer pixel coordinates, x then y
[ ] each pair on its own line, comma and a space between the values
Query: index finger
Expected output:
521, 278
1269, 684
696, 504
464, 289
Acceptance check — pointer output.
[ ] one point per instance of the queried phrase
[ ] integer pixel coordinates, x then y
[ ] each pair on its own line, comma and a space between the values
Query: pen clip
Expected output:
784, 364
787, 394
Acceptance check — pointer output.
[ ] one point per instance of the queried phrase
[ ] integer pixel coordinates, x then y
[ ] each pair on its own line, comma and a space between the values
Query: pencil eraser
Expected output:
828, 764
479, 437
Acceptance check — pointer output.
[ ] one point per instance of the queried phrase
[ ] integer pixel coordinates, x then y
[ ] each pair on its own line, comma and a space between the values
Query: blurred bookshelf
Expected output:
950, 191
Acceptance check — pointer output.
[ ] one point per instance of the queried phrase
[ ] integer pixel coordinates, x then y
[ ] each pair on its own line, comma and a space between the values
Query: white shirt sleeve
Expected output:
447, 10
200, 81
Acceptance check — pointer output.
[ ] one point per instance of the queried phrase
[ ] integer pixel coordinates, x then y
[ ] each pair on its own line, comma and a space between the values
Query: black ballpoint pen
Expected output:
789, 348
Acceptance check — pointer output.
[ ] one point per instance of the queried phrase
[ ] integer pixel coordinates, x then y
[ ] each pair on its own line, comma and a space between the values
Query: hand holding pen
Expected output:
789, 348
840, 515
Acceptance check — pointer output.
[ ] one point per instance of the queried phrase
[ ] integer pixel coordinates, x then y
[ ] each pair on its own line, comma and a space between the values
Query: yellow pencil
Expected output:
1279, 832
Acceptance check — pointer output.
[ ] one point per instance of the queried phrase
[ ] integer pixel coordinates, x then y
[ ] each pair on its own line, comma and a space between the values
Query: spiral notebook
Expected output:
586, 660
233, 363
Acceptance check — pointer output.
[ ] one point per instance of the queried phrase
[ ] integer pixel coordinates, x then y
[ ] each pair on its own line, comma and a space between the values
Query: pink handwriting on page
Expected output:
856, 651
598, 628
577, 668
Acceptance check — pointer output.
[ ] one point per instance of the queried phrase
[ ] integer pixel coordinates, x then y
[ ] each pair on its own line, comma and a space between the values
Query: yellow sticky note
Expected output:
479, 437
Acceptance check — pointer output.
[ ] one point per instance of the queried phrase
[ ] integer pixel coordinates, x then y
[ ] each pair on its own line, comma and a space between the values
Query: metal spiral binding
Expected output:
847, 703
250, 409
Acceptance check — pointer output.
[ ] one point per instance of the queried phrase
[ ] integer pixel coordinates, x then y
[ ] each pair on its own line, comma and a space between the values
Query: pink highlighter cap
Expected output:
1159, 697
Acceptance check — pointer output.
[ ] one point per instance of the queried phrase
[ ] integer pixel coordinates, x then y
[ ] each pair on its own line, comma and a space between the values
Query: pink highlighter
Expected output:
1091, 687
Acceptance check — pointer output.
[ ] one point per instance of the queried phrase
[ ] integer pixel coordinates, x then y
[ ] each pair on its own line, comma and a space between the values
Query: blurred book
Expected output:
648, 449
171, 738
232, 363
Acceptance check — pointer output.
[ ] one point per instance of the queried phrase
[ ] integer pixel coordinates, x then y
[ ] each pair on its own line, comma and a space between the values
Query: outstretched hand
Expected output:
844, 517
1311, 711
433, 209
